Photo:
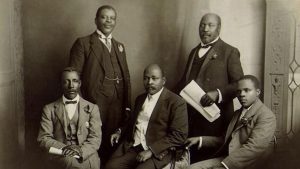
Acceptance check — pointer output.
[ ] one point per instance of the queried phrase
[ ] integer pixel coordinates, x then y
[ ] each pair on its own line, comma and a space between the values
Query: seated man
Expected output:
159, 122
248, 135
73, 125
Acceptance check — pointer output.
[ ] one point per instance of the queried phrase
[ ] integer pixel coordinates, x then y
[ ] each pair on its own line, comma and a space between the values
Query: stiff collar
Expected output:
75, 99
210, 43
156, 95
102, 36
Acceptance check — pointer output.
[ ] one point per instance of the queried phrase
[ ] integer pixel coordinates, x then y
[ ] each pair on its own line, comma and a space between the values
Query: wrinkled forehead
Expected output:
70, 75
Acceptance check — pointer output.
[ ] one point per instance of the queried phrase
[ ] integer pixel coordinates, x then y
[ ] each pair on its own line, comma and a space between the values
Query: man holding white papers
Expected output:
215, 66
71, 125
249, 134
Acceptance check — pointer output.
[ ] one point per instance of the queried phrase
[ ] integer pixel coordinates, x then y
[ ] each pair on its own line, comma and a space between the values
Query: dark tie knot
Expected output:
71, 102
206, 46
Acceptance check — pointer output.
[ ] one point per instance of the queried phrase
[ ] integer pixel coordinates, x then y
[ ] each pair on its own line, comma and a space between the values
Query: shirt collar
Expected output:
75, 99
156, 95
202, 44
102, 36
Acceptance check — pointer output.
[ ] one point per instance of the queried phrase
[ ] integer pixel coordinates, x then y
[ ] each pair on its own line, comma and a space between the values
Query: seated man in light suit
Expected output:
73, 125
159, 122
248, 136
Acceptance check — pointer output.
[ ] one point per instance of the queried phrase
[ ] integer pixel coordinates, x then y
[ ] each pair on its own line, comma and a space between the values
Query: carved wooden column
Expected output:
281, 66
12, 123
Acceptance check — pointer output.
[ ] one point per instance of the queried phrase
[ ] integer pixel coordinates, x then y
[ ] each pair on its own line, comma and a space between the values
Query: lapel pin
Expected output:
87, 124
120, 48
214, 56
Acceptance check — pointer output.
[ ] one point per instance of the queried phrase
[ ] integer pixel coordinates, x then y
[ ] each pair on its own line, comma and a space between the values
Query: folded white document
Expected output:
57, 151
192, 94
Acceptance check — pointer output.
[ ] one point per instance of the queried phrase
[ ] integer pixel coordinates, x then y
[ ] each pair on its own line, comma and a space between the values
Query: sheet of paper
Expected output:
192, 94
57, 151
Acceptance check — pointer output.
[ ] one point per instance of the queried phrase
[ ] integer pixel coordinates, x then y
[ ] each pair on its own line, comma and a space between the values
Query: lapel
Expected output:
119, 49
59, 110
157, 108
158, 105
190, 63
137, 110
83, 112
97, 48
232, 124
212, 54
250, 113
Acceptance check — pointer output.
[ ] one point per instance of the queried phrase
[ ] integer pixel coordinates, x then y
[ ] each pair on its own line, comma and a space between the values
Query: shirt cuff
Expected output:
220, 96
200, 143
224, 165
128, 109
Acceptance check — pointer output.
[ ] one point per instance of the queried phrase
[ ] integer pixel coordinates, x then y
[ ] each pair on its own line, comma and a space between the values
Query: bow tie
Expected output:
206, 46
71, 102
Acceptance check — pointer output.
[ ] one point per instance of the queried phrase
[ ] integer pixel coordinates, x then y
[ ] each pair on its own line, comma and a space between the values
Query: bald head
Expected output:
154, 78
210, 27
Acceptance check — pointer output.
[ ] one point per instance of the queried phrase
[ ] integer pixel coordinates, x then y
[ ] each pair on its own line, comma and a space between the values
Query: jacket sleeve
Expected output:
93, 140
77, 55
183, 81
177, 131
235, 72
45, 136
257, 143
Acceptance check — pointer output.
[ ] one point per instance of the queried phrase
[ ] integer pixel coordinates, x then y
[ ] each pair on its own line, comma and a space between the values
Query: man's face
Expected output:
70, 84
209, 28
247, 93
106, 21
153, 80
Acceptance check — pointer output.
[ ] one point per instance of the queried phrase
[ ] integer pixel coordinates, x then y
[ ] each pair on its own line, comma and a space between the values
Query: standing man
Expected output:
159, 122
73, 125
249, 135
101, 60
216, 67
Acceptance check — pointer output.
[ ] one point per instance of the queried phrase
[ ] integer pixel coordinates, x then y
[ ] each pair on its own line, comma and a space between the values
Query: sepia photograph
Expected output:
149, 84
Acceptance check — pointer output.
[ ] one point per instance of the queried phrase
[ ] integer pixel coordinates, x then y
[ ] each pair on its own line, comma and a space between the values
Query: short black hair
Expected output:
253, 79
105, 7
70, 69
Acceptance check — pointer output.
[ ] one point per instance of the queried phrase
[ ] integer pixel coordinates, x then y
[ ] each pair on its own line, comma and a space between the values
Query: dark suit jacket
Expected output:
87, 57
168, 126
53, 129
250, 140
220, 70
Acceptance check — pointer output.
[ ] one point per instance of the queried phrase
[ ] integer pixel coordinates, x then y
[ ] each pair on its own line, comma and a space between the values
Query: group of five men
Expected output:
143, 137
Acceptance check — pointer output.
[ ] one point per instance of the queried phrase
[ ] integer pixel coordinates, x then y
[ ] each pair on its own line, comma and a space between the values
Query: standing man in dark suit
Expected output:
73, 125
249, 134
101, 60
216, 67
159, 122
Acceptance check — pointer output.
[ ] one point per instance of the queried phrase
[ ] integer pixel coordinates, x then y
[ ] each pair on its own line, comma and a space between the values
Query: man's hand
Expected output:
143, 156
191, 141
72, 150
209, 98
114, 138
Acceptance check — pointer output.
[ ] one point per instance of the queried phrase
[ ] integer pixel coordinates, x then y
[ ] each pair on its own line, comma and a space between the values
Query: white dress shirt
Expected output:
71, 108
203, 51
105, 40
143, 119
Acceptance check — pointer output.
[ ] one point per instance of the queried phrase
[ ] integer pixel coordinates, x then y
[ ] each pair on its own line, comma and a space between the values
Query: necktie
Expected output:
108, 43
71, 102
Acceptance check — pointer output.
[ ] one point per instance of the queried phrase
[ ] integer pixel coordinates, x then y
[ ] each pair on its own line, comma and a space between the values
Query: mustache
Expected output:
71, 90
